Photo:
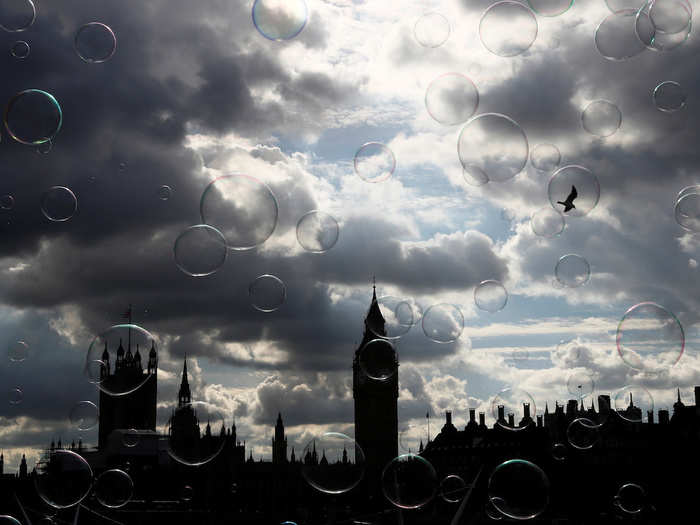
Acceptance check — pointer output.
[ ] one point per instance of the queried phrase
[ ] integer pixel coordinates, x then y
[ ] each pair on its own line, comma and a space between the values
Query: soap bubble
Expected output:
63, 479
200, 250
507, 28
411, 436
333, 463
242, 208
650, 338
112, 346
20, 49
631, 498
95, 42
616, 36
561, 188
432, 30
33, 117
130, 438
317, 231
409, 481
267, 293
656, 40
451, 99
670, 16
7, 202
17, 15
582, 433
559, 451
519, 489
516, 402
164, 192
84, 415
443, 323
18, 351
547, 222
601, 118
580, 383
632, 403
490, 296
374, 162
16, 396
378, 359
545, 157
452, 488
187, 424
494, 144
550, 7
396, 319
280, 19
58, 204
572, 270
669, 96
113, 488
687, 212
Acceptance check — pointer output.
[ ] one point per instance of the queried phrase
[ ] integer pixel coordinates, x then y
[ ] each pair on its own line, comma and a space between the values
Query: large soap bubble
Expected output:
514, 404
443, 323
333, 463
267, 293
616, 36
632, 403
650, 338
545, 157
317, 231
33, 117
114, 488
507, 28
669, 96
397, 317
572, 270
432, 30
374, 162
196, 433
409, 481
378, 359
494, 144
573, 191
59, 204
490, 296
550, 7
242, 208
95, 42
280, 19
451, 98
200, 250
519, 489
63, 479
17, 15
547, 222
601, 118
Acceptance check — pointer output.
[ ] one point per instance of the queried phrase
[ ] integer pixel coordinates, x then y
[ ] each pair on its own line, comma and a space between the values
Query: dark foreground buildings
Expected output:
599, 466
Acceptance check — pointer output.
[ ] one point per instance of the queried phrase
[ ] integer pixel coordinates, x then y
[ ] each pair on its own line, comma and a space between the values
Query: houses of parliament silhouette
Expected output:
585, 467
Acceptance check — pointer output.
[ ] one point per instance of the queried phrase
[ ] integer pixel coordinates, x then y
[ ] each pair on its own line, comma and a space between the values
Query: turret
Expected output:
137, 359
152, 359
105, 366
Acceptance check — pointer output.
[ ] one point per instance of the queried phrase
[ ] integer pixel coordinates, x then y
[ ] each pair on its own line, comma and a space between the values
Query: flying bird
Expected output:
569, 202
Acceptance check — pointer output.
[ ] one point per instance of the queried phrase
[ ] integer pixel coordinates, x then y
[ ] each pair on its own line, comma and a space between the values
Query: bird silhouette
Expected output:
569, 202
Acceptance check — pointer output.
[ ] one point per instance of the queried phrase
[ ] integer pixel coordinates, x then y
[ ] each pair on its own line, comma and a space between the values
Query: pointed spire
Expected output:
152, 353
279, 418
374, 322
546, 409
679, 395
105, 354
120, 350
631, 403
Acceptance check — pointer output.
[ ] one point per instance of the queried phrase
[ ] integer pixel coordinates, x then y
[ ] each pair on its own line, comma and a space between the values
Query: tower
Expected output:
136, 410
184, 396
279, 443
23, 467
376, 416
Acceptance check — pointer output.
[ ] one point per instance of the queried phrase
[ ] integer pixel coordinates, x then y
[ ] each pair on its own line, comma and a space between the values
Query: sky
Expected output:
194, 92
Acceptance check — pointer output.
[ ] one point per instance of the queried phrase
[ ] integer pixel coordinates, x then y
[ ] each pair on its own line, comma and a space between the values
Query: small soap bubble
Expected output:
113, 488
669, 96
559, 451
186, 493
409, 481
580, 383
517, 403
95, 42
601, 118
164, 192
687, 212
443, 323
114, 344
650, 338
374, 162
412, 437
84, 415
317, 231
15, 395
494, 144
17, 15
572, 270
631, 498
242, 208
20, 49
333, 463
130, 438
18, 351
63, 479
280, 19
451, 99
432, 30
58, 204
378, 359
397, 317
452, 488
616, 37
507, 28
7, 202
632, 403
196, 419
582, 433
33, 117
490, 296
550, 7
573, 191
519, 489
267, 293
545, 157
45, 147
547, 222
200, 250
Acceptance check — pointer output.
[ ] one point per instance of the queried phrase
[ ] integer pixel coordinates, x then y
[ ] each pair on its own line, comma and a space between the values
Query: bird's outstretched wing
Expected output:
572, 195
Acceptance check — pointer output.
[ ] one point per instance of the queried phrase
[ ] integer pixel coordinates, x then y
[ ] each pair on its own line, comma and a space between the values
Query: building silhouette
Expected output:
376, 412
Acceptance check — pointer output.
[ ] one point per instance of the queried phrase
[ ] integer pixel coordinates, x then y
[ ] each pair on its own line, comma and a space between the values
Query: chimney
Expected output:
511, 420
603, 404
482, 419
472, 415
650, 416
697, 400
539, 421
526, 410
501, 413
448, 417
663, 417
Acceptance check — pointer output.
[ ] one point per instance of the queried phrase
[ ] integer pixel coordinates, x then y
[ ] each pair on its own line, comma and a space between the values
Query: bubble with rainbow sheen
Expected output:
280, 19
33, 116
669, 96
59, 204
